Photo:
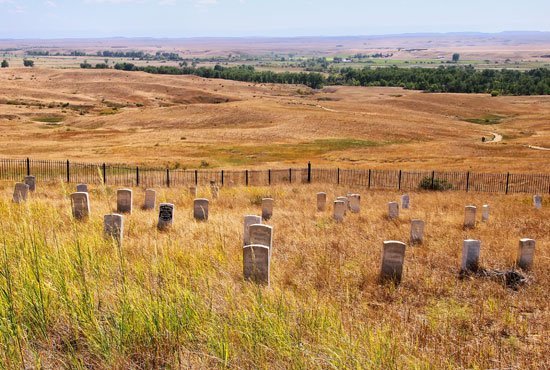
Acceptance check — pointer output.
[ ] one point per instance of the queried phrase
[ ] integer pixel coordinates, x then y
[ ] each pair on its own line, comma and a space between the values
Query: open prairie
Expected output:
186, 122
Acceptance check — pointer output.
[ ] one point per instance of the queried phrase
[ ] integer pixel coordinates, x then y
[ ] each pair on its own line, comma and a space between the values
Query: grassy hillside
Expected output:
70, 299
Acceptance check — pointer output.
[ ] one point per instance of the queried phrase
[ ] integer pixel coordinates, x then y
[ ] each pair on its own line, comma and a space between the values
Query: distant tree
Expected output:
28, 63
85, 65
5, 64
456, 57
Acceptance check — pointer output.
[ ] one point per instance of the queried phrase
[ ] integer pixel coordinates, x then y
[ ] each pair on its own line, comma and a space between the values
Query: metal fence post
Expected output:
246, 177
104, 173
399, 185
68, 171
222, 178
338, 176
467, 181
290, 175
309, 172
269, 177
28, 167
168, 177
369, 178
507, 181
137, 175
196, 177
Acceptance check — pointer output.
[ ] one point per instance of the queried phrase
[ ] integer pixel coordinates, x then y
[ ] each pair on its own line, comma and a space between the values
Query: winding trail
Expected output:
537, 147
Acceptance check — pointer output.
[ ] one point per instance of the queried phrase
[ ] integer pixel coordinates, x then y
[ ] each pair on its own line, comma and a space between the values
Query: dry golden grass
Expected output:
181, 121
72, 299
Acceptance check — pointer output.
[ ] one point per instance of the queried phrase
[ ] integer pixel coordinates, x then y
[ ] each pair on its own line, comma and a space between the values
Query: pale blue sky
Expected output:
189, 18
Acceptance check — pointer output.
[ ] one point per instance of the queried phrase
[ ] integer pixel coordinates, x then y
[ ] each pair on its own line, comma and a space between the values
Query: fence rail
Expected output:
125, 175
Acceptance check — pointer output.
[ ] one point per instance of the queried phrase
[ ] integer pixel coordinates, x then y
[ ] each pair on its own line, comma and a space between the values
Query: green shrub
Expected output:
436, 184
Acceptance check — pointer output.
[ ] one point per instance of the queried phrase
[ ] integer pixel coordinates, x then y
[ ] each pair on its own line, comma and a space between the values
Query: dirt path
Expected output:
537, 147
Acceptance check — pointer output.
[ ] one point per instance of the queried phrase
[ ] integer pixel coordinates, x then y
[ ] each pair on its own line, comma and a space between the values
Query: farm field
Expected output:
178, 299
190, 122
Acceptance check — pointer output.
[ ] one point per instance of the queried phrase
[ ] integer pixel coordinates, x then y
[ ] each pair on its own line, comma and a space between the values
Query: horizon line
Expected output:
282, 37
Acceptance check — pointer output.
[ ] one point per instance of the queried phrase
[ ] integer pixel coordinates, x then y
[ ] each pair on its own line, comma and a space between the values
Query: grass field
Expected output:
185, 121
177, 299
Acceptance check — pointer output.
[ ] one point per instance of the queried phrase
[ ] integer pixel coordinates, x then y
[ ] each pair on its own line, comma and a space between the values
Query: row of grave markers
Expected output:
258, 237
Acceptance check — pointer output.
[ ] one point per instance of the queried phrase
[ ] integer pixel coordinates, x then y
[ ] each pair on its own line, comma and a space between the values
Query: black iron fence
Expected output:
125, 175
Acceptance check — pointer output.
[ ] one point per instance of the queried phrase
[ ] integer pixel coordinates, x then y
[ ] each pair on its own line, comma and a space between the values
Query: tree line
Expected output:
445, 79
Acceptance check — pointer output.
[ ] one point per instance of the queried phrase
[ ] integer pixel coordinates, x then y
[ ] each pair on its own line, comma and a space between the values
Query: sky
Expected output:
214, 18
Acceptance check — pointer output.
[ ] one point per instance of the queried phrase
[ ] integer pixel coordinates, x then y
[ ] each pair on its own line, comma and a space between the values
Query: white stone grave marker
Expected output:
470, 255
124, 201
248, 221
256, 261
200, 209
526, 254
267, 208
80, 205
393, 257
20, 193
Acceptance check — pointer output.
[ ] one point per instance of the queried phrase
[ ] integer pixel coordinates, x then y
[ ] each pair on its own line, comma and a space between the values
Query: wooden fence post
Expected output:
137, 175
104, 173
246, 177
222, 178
468, 181
28, 167
507, 181
168, 177
196, 177
269, 177
338, 176
309, 172
68, 171
290, 175
433, 180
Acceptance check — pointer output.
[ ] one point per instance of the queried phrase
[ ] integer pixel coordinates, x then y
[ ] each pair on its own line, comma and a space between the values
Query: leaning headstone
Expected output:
124, 201
256, 261
200, 209
339, 210
267, 208
405, 201
82, 188
166, 216
485, 213
417, 232
80, 205
355, 203
248, 221
393, 256
261, 235
470, 217
20, 193
113, 227
470, 255
393, 210
321, 202
150, 199
193, 191
31, 181
526, 254
537, 201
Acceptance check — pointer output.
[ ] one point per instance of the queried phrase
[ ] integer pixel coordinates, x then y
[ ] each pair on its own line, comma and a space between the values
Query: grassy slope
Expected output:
70, 298
182, 120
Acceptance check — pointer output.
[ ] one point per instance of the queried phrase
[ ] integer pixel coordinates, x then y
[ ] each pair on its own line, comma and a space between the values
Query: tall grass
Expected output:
177, 299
